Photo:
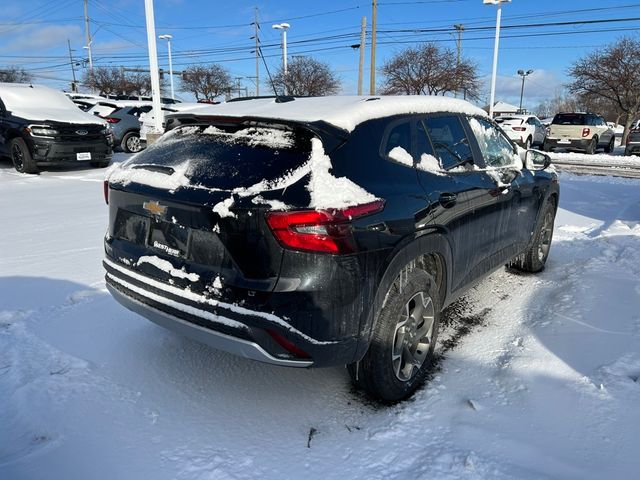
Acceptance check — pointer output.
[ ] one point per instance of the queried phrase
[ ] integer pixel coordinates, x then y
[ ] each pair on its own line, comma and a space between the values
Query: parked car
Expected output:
632, 146
324, 231
125, 124
525, 130
147, 120
40, 126
579, 131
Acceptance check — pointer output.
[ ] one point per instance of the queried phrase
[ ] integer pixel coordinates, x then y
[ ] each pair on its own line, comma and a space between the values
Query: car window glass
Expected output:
449, 140
398, 144
496, 150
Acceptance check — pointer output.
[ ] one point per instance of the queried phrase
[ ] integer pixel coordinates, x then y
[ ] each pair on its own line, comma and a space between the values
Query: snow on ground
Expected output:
539, 377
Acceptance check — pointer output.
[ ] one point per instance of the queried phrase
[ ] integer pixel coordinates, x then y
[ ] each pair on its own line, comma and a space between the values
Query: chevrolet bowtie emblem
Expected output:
154, 208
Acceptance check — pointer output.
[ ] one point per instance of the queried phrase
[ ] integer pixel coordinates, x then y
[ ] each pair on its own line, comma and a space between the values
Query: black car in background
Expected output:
324, 231
40, 126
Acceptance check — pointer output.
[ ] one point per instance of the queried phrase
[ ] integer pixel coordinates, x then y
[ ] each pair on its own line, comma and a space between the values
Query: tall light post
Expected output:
524, 75
283, 27
168, 38
153, 66
495, 51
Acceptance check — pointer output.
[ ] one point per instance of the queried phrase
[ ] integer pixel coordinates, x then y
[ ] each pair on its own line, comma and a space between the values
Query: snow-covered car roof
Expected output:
40, 103
345, 112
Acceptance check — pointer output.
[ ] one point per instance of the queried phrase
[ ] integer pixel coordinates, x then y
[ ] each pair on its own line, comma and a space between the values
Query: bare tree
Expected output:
611, 73
15, 75
429, 70
116, 81
307, 77
206, 82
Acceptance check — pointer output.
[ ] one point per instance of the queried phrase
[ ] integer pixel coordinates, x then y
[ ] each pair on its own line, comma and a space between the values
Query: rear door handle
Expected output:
448, 200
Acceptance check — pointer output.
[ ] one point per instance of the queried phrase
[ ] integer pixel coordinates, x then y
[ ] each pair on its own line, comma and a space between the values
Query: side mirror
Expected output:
536, 160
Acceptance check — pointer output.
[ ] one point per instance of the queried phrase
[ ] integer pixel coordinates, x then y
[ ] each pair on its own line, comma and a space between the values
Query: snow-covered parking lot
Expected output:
539, 378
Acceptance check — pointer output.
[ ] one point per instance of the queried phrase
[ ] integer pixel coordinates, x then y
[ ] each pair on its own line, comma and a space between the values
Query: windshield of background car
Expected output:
229, 157
570, 119
509, 120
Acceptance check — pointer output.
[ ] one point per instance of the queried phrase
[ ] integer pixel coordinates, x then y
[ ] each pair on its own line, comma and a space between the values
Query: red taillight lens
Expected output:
586, 132
112, 119
288, 345
327, 231
105, 186
519, 129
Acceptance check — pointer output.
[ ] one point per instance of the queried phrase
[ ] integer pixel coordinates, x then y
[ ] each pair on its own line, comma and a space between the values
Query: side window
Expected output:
531, 121
398, 144
449, 140
496, 150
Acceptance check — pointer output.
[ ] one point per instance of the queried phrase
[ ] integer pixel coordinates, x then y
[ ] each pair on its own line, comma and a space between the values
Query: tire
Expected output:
593, 146
131, 142
21, 156
535, 257
406, 329
546, 147
101, 164
527, 143
609, 148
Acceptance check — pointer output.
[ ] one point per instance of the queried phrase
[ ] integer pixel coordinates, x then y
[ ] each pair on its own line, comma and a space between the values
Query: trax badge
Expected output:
154, 208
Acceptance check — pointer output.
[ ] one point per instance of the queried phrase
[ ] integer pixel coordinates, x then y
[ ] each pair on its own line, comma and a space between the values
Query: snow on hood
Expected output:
38, 104
345, 112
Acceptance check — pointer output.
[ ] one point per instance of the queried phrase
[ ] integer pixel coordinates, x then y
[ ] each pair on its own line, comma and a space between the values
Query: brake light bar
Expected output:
112, 119
326, 231
105, 187
519, 129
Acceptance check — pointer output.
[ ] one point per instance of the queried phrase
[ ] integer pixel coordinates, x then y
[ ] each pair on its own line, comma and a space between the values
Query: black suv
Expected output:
324, 231
40, 126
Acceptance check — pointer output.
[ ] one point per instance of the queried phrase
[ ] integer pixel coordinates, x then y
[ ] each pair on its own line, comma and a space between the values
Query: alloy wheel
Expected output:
546, 232
133, 144
17, 156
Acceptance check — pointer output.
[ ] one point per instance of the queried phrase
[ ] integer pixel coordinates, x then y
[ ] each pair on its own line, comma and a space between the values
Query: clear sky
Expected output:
34, 34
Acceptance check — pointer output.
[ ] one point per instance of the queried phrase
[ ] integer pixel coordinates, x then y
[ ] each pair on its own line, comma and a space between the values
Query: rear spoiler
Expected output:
332, 137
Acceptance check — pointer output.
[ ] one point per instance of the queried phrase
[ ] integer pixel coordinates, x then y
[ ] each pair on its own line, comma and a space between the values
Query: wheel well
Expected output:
433, 264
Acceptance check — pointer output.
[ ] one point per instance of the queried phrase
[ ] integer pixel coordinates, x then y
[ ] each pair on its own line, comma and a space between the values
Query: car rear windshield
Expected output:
570, 119
224, 157
510, 120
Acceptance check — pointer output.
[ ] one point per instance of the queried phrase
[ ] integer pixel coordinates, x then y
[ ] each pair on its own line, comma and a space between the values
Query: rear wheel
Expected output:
546, 147
131, 142
527, 143
610, 146
404, 337
21, 156
593, 145
534, 259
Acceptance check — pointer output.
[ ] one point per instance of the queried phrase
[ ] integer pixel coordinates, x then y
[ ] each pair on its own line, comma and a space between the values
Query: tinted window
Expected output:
570, 119
449, 140
399, 136
228, 157
423, 144
496, 150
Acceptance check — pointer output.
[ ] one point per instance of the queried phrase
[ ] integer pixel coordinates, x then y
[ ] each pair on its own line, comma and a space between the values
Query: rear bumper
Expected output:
224, 326
632, 149
574, 144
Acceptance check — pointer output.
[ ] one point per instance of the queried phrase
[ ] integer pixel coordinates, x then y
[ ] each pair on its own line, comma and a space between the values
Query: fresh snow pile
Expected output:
600, 159
124, 175
167, 267
539, 377
427, 163
328, 191
345, 112
268, 137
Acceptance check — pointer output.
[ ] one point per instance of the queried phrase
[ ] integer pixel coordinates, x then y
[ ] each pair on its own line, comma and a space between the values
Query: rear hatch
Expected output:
512, 126
189, 210
568, 126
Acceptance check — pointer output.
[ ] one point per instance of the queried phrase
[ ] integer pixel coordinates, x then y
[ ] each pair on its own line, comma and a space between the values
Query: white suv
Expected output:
525, 130
579, 131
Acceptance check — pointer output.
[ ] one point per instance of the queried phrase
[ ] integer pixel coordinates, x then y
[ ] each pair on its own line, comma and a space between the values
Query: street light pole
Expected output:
283, 27
153, 65
495, 51
524, 75
168, 38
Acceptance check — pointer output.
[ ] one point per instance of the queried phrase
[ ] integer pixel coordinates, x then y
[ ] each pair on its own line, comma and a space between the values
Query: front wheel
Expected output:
22, 159
403, 341
534, 259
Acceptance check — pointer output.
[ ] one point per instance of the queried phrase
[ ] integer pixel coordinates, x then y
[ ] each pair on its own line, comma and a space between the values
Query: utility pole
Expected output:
363, 39
74, 87
459, 29
374, 19
256, 27
153, 65
88, 33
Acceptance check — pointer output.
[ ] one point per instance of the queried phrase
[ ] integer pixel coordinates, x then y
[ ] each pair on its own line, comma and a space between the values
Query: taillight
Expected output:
105, 187
112, 119
519, 129
585, 132
327, 231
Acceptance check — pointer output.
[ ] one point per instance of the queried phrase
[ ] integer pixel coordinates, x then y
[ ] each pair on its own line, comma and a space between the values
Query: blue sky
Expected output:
34, 35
